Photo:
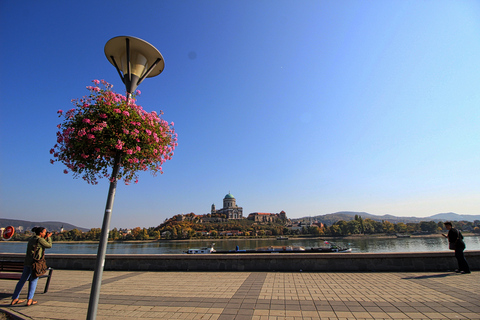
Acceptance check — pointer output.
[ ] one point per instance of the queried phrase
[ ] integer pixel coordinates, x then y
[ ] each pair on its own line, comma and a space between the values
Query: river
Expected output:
359, 245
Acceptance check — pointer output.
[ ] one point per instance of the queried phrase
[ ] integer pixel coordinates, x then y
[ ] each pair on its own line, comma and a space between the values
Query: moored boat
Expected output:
329, 248
205, 250
281, 249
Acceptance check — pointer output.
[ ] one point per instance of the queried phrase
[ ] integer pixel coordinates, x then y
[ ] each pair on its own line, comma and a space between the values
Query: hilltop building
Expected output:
230, 208
263, 217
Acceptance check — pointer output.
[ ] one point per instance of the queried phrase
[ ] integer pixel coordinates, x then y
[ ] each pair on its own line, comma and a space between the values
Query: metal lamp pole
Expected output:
138, 60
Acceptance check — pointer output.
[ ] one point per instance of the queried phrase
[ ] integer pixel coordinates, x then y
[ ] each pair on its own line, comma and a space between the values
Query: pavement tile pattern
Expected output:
254, 296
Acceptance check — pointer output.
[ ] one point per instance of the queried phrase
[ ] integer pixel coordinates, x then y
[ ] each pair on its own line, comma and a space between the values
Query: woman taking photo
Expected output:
41, 240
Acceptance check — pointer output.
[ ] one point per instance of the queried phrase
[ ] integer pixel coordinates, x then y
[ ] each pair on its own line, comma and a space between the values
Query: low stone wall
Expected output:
322, 262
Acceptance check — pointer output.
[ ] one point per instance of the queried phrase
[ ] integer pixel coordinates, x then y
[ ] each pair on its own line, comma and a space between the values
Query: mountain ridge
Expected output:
50, 225
331, 218
328, 219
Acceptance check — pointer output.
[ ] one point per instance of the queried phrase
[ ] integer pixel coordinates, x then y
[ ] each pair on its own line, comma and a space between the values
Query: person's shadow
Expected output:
4, 296
441, 275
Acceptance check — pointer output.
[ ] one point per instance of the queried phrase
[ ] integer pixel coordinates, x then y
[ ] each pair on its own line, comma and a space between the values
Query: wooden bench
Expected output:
12, 270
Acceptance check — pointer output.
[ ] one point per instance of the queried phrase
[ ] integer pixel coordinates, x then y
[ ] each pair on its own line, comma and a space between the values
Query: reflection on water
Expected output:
169, 247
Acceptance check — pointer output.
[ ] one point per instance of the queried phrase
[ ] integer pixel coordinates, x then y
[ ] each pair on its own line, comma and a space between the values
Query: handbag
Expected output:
451, 245
39, 265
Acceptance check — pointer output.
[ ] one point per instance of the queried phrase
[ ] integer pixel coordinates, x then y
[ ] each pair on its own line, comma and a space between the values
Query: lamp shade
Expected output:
134, 59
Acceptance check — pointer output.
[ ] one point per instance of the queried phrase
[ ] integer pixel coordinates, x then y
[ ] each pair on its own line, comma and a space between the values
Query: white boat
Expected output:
281, 249
205, 250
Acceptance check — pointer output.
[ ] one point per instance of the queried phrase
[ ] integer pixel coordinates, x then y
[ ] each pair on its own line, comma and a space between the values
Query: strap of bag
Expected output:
36, 251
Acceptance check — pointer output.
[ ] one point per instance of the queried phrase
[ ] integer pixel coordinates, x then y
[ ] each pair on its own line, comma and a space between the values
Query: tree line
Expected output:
195, 228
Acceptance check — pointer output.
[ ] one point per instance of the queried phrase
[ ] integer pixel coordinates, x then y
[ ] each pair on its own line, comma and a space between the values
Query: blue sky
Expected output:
311, 107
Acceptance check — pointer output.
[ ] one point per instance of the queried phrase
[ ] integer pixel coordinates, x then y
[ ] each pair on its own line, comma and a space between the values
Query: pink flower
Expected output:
120, 144
88, 132
139, 92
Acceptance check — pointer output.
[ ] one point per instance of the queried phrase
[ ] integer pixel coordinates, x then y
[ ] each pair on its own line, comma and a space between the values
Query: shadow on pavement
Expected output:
442, 275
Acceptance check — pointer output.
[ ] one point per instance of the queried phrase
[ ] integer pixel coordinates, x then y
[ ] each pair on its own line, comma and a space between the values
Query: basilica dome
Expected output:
229, 196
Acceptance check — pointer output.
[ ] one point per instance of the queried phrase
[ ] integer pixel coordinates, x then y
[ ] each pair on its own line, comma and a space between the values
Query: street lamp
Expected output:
135, 60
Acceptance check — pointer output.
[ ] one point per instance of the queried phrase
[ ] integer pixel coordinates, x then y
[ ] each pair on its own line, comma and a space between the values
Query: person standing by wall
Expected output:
455, 241
41, 240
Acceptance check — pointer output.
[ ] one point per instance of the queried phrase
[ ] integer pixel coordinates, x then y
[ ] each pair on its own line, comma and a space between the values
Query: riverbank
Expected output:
350, 237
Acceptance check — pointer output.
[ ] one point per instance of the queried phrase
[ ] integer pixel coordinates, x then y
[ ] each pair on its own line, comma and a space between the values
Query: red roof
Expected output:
263, 213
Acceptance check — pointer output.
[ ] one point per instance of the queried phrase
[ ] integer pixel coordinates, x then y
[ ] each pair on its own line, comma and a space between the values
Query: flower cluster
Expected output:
104, 124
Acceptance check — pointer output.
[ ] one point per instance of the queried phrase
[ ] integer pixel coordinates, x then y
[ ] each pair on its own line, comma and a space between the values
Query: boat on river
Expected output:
281, 249
209, 249
329, 248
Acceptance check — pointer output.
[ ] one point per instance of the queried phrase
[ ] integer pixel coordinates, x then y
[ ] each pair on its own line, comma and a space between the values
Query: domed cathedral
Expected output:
230, 208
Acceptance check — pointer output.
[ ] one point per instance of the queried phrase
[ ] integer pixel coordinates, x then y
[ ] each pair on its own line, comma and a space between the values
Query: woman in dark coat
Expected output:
43, 240
455, 239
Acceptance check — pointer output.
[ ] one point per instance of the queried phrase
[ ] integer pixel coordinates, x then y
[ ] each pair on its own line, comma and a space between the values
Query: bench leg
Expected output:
48, 281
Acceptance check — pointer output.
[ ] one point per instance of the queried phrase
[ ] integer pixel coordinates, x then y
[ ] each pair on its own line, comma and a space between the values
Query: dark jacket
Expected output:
42, 245
455, 236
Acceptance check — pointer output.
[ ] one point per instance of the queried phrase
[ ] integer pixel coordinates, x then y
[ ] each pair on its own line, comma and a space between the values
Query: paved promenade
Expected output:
255, 295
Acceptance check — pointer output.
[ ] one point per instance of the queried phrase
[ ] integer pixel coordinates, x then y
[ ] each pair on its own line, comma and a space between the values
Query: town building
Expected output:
262, 217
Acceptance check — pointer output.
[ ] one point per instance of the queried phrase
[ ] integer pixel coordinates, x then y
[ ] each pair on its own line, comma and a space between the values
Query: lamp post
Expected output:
135, 60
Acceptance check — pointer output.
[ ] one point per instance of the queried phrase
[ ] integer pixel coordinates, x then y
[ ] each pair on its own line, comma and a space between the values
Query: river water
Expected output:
367, 244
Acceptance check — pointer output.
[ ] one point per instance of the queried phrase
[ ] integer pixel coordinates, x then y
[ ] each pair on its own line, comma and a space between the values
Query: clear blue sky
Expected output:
311, 107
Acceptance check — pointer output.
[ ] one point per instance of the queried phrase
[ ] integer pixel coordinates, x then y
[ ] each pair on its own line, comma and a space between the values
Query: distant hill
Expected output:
50, 225
454, 217
331, 218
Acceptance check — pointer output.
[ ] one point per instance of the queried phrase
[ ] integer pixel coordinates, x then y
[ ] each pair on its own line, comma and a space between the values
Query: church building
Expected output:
230, 208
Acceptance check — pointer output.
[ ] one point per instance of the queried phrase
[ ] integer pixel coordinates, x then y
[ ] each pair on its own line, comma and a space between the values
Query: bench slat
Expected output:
17, 266
10, 276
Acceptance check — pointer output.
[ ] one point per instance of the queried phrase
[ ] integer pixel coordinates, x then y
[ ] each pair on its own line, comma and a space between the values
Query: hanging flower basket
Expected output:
102, 126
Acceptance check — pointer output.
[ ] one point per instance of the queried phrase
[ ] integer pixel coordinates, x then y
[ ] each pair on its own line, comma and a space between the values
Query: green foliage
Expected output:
192, 226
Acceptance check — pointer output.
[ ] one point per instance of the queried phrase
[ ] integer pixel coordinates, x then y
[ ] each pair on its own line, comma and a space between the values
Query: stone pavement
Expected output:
254, 295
